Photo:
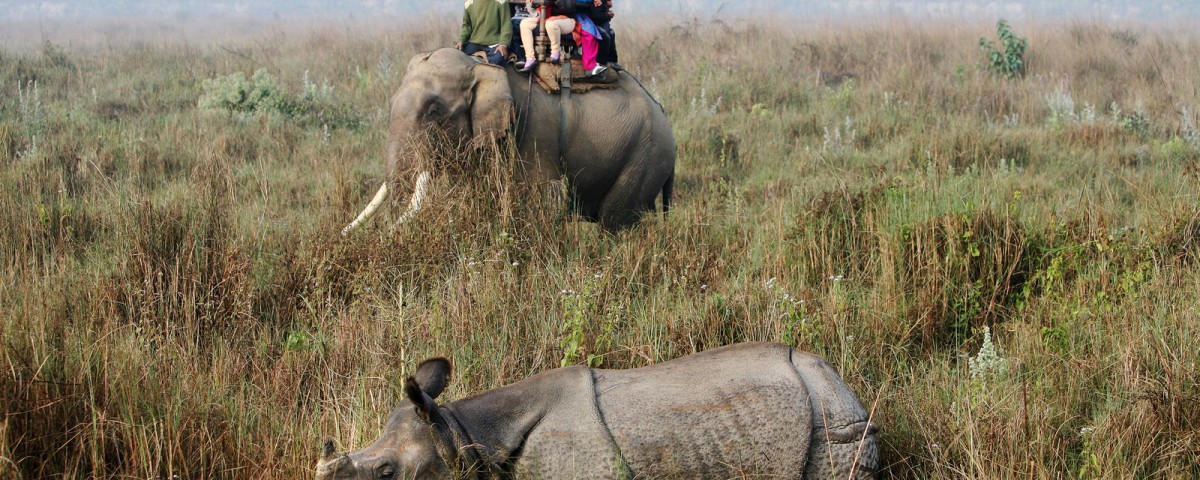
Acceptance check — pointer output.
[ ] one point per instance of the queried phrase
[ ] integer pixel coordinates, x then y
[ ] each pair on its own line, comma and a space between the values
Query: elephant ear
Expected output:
491, 103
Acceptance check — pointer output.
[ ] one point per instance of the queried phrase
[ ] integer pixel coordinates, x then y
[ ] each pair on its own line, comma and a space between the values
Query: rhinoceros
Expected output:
751, 410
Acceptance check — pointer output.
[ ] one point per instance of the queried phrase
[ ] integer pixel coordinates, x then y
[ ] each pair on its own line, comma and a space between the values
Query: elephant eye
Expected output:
433, 110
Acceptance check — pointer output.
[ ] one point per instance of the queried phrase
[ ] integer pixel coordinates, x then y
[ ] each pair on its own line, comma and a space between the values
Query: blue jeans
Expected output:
493, 54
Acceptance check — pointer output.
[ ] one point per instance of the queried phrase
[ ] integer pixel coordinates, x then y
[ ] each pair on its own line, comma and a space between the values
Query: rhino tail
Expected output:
849, 451
843, 441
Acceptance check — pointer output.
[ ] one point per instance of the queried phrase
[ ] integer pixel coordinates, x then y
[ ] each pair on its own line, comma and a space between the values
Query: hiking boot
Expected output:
528, 65
554, 57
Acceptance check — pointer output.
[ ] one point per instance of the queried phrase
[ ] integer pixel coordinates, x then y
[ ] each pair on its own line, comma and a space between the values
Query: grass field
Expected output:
175, 301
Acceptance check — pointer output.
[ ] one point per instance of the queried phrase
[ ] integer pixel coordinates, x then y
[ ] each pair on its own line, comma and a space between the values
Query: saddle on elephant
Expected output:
547, 76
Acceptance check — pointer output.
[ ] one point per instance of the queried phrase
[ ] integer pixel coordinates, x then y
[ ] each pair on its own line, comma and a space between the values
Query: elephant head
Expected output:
444, 95
416, 442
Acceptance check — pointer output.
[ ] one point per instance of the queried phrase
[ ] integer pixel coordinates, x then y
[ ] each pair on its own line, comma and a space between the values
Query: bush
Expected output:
1010, 62
235, 94
260, 95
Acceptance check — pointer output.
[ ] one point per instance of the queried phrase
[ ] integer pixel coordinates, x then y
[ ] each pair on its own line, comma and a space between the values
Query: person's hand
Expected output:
458, 46
598, 3
503, 49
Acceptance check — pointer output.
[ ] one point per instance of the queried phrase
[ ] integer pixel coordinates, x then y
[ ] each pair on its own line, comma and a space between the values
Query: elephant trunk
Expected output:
418, 196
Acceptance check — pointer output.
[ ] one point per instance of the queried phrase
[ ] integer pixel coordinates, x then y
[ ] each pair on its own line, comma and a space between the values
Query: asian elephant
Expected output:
617, 152
751, 410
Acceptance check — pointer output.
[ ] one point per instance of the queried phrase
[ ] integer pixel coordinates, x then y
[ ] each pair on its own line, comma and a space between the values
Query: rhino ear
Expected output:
433, 375
427, 407
412, 390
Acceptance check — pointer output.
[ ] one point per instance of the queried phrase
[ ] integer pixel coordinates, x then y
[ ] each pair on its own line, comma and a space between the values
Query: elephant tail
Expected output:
667, 191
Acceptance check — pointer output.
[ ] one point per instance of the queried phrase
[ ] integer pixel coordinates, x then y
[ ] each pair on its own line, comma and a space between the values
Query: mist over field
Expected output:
1108, 10
78, 24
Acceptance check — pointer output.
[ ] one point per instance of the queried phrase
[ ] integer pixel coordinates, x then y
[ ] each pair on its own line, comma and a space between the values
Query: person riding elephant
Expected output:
601, 13
559, 19
486, 27
613, 147
588, 35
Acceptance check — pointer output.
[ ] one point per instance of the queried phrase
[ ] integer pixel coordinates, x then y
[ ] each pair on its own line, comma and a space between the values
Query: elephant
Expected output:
616, 152
749, 410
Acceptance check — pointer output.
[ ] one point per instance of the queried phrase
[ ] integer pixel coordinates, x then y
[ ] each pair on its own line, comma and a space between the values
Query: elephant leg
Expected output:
632, 196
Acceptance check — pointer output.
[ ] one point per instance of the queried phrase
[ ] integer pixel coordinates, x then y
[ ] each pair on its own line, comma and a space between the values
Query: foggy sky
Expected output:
1016, 10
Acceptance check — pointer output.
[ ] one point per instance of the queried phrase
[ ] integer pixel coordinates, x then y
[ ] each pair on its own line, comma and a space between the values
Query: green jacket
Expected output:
486, 22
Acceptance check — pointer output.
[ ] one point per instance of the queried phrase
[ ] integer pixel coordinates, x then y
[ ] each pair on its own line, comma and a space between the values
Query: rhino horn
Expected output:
327, 450
330, 462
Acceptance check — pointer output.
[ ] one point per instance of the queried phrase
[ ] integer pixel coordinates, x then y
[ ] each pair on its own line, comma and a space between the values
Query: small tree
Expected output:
1010, 61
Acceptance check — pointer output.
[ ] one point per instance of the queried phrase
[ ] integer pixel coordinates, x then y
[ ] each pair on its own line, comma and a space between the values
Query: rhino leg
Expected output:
843, 441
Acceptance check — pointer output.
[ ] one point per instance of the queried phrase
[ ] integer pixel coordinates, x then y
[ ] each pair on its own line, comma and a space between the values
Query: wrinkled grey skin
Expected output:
752, 410
618, 154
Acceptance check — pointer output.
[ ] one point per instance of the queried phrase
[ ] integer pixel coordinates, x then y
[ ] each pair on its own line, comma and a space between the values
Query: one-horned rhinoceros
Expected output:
752, 410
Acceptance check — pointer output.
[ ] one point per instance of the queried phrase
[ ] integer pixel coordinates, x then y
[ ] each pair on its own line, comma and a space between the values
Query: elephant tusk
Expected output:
418, 196
380, 196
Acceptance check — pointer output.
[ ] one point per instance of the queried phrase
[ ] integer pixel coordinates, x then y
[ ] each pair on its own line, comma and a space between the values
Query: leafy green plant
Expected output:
260, 94
1008, 60
296, 341
235, 93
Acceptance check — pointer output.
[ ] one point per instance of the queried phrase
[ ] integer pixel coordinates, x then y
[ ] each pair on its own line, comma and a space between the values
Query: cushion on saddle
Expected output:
546, 75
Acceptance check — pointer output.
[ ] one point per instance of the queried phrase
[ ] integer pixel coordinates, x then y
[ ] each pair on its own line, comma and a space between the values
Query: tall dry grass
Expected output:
175, 301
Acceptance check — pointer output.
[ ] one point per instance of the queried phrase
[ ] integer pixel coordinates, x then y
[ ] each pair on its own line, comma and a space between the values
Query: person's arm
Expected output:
505, 29
465, 32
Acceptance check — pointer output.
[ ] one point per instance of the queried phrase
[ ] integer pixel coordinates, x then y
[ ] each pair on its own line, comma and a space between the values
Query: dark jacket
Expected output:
563, 7
600, 15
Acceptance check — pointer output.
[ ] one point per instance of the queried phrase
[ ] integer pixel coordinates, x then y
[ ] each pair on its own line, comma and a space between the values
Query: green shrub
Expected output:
261, 95
236, 94
1008, 61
